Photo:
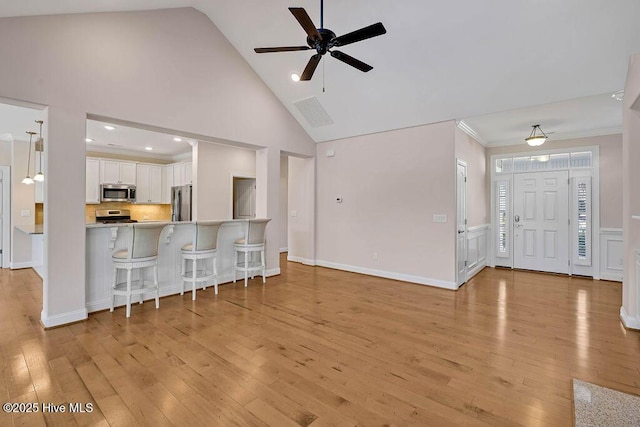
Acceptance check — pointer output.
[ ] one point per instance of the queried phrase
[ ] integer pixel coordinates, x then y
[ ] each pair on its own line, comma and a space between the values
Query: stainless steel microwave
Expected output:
117, 193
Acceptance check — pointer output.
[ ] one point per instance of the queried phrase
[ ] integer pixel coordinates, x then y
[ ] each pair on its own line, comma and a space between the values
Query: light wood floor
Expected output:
324, 348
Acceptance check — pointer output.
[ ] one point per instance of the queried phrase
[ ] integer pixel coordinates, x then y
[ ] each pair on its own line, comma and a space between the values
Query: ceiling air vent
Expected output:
311, 110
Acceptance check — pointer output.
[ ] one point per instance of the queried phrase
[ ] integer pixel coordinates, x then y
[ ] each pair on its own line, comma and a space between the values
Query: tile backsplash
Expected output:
138, 212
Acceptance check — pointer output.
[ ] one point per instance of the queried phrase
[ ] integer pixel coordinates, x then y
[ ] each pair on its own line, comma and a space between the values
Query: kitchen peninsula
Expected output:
104, 239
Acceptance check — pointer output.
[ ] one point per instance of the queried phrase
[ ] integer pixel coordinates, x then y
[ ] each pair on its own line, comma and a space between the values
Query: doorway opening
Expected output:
244, 197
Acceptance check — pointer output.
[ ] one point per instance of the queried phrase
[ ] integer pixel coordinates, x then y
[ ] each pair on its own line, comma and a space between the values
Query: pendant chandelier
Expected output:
39, 148
27, 179
535, 139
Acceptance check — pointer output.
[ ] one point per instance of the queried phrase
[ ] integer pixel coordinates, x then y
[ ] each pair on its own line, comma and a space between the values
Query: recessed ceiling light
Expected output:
148, 148
109, 127
176, 139
295, 77
88, 140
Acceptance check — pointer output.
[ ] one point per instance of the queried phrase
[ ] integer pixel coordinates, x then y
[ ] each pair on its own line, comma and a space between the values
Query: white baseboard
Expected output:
475, 270
629, 321
64, 318
19, 265
390, 275
301, 260
284, 250
611, 277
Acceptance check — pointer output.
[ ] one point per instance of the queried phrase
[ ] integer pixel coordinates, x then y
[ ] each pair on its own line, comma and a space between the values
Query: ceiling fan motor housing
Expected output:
321, 46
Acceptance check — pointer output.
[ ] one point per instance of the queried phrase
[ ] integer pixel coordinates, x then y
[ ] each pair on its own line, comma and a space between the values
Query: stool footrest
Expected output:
137, 288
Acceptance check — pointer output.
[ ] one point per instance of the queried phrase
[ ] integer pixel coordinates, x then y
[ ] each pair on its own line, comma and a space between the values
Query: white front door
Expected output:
461, 222
541, 221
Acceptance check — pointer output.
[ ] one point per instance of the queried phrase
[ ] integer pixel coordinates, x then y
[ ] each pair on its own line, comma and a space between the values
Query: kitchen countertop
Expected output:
31, 229
122, 224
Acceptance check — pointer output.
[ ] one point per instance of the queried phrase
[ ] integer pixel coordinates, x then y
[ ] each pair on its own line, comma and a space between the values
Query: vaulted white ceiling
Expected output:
438, 61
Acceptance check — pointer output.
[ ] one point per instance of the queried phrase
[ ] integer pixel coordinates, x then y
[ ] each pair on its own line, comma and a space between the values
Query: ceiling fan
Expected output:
323, 40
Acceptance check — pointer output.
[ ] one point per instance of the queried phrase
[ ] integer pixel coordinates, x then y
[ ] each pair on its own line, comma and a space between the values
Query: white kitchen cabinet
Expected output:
182, 174
93, 181
115, 172
178, 174
149, 183
167, 183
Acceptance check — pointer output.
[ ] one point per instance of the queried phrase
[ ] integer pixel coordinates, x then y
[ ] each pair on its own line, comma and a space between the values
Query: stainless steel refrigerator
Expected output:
181, 203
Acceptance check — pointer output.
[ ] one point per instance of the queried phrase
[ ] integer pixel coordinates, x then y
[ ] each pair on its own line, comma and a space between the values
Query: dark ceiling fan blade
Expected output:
350, 60
311, 67
306, 22
280, 49
358, 35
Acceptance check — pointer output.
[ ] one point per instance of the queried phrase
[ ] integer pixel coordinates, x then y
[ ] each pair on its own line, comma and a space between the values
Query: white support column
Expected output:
268, 202
64, 217
630, 310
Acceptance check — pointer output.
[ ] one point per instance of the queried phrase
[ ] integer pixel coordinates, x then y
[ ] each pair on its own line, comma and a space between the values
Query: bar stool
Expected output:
141, 253
201, 248
252, 243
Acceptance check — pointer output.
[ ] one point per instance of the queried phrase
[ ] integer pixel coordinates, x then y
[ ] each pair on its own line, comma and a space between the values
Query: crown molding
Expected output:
469, 131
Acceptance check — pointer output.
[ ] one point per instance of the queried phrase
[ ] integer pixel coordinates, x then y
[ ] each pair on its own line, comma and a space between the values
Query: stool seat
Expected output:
141, 252
203, 247
253, 242
123, 255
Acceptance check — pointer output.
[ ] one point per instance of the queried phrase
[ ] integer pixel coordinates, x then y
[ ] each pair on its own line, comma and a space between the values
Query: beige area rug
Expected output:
599, 406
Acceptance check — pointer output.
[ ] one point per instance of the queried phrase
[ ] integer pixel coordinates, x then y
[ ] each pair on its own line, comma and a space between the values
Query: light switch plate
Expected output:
439, 218
25, 212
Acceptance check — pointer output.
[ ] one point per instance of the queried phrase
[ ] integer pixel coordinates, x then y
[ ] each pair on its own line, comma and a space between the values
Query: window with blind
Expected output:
582, 220
502, 215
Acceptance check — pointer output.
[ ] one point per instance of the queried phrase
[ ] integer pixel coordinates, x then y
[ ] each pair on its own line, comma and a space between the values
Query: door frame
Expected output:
595, 200
461, 251
6, 216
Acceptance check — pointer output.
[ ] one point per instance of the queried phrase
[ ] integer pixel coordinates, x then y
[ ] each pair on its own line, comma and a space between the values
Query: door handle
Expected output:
460, 231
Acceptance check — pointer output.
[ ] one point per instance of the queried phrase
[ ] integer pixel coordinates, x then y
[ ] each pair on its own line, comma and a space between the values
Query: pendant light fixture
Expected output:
39, 148
27, 179
536, 139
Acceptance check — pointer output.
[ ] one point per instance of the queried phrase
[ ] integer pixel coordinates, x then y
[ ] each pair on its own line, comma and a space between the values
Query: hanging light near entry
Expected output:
27, 179
536, 139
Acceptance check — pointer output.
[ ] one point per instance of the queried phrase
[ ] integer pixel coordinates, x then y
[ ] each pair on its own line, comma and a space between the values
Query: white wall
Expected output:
170, 69
301, 209
215, 166
22, 199
474, 154
630, 311
392, 184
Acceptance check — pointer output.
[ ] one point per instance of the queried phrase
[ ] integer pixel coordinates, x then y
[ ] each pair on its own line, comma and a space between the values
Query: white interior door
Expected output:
244, 198
541, 221
461, 222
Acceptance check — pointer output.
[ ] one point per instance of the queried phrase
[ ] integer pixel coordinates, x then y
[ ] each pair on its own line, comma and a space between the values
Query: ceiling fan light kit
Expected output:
536, 139
323, 40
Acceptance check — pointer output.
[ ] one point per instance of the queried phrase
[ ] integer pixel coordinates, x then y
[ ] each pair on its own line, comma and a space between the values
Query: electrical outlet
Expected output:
25, 212
375, 256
